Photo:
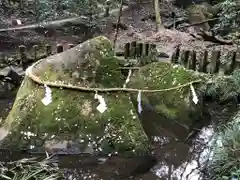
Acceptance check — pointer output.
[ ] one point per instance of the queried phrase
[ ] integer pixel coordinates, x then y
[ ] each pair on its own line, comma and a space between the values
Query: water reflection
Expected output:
184, 162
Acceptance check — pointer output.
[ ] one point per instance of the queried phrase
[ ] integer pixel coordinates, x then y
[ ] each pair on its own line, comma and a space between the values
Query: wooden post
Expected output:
48, 49
152, 48
70, 46
3, 58
232, 64
133, 49
35, 48
59, 48
23, 56
106, 13
204, 62
215, 61
192, 64
175, 55
185, 58
145, 49
127, 50
139, 50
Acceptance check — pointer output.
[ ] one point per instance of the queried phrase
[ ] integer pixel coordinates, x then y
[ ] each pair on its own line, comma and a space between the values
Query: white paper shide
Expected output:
102, 107
128, 78
48, 96
139, 99
195, 98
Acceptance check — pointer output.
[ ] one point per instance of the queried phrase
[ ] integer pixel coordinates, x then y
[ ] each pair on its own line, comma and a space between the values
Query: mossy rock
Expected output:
174, 109
72, 115
198, 13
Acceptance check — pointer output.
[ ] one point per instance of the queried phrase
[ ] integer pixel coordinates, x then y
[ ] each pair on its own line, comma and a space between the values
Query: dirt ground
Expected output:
132, 18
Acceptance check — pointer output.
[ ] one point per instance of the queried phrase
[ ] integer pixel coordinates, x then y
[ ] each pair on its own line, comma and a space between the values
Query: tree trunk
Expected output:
158, 17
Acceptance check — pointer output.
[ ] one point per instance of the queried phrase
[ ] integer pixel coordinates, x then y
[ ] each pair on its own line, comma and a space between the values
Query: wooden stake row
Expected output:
23, 58
134, 49
191, 62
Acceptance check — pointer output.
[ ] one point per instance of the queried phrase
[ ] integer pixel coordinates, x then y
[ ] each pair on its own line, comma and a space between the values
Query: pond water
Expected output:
177, 155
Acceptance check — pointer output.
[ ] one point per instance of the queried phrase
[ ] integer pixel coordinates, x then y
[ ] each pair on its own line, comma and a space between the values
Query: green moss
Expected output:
72, 115
100, 69
198, 13
225, 146
174, 104
170, 113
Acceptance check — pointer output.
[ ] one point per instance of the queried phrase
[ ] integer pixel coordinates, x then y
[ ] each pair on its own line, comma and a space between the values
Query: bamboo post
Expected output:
35, 48
215, 61
232, 64
176, 55
127, 50
192, 64
133, 49
23, 56
70, 46
185, 58
59, 48
204, 62
48, 49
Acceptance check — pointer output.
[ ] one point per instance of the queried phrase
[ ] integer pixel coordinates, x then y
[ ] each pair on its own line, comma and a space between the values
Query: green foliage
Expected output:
229, 17
29, 169
225, 88
225, 160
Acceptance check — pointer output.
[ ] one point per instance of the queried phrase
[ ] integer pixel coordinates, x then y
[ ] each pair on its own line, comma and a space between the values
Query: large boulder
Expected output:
198, 13
68, 117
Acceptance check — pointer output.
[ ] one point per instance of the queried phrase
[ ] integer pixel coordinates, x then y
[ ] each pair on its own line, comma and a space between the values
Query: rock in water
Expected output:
71, 115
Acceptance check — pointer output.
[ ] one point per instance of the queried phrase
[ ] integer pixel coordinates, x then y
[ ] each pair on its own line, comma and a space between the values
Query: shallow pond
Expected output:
177, 155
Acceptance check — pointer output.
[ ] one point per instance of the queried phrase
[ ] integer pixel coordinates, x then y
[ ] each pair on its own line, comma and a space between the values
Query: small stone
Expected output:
16, 22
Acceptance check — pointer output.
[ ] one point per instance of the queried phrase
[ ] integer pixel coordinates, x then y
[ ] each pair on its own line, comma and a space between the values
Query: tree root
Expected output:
212, 38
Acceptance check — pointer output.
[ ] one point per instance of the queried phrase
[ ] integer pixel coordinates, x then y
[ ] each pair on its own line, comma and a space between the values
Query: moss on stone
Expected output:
72, 115
175, 104
198, 13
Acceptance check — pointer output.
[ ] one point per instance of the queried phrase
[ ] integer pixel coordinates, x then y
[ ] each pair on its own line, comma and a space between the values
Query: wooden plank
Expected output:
127, 50
133, 49
185, 58
59, 48
35, 49
175, 55
48, 49
204, 62
232, 65
193, 63
23, 55
215, 61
